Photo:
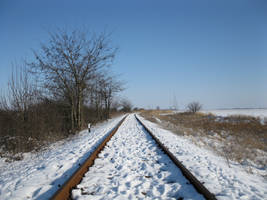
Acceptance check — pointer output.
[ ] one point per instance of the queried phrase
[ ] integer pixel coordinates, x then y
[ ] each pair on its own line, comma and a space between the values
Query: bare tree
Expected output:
67, 64
22, 92
15, 106
109, 89
194, 107
115, 104
3, 101
126, 105
103, 90
136, 109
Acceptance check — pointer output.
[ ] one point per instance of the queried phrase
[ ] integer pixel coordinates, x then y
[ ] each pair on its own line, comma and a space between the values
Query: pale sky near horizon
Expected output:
214, 52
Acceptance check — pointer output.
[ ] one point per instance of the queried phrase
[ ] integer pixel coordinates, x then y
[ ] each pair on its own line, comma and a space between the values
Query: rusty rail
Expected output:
64, 192
193, 180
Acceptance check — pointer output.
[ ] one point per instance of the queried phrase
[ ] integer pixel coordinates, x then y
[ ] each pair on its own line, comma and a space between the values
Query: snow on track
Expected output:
132, 166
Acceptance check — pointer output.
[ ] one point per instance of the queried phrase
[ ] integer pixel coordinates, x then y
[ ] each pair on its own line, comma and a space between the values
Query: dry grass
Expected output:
237, 138
43, 128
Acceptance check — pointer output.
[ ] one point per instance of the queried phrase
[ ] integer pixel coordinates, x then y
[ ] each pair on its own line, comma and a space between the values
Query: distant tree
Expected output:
126, 105
194, 107
136, 109
102, 93
115, 104
158, 108
109, 88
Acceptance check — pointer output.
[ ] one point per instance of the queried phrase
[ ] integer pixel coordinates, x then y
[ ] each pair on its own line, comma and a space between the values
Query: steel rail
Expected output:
193, 180
64, 192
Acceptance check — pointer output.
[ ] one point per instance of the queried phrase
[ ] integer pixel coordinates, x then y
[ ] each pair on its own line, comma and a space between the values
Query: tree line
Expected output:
68, 84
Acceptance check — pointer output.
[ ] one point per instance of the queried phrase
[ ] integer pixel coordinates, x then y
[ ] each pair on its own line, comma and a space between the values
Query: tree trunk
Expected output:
72, 117
108, 109
79, 111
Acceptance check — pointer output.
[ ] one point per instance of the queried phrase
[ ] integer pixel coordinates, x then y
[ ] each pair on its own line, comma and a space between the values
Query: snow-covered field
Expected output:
133, 167
224, 182
38, 175
261, 113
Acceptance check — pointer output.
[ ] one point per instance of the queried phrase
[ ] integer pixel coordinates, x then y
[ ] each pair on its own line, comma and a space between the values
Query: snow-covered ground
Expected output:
38, 175
130, 152
224, 182
261, 113
133, 167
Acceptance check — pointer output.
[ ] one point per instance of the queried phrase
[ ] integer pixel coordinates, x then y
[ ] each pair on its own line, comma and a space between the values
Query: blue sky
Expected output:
214, 52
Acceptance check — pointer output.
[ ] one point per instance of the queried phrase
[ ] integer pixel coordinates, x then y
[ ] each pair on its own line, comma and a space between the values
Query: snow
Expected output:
261, 113
37, 176
224, 182
133, 167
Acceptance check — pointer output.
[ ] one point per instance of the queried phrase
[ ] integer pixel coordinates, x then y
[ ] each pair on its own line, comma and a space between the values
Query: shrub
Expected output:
194, 107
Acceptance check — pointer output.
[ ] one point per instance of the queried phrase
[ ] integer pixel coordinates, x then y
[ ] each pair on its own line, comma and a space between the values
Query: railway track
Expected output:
193, 180
132, 168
